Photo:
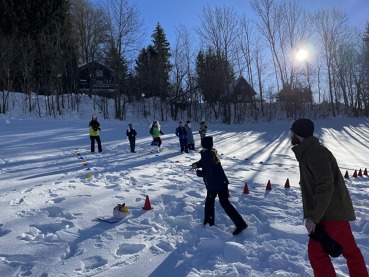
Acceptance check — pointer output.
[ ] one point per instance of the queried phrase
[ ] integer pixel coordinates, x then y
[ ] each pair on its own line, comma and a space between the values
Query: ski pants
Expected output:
226, 205
158, 141
183, 144
97, 138
340, 231
132, 143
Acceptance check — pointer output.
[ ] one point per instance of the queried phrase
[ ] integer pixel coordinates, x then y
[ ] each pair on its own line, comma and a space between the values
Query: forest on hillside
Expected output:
231, 68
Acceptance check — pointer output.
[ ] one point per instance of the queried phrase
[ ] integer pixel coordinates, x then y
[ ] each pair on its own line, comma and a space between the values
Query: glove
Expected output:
330, 246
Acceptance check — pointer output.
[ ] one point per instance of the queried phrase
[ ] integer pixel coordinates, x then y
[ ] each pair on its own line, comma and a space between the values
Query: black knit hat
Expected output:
303, 127
207, 142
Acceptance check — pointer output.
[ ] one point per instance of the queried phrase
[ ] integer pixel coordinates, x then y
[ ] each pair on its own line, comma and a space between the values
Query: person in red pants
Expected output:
327, 204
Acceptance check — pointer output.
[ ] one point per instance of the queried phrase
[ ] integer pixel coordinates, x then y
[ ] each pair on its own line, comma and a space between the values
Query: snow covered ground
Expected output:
48, 223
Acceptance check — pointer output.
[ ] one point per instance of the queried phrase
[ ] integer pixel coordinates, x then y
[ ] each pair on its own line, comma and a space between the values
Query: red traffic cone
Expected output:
147, 206
365, 172
347, 175
287, 184
360, 173
269, 186
246, 189
355, 174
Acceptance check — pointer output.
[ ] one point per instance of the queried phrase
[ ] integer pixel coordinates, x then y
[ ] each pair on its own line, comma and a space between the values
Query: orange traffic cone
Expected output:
360, 173
147, 206
246, 189
269, 186
287, 184
355, 174
365, 172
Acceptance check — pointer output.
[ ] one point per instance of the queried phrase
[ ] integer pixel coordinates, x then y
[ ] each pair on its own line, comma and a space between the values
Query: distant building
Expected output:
95, 78
241, 91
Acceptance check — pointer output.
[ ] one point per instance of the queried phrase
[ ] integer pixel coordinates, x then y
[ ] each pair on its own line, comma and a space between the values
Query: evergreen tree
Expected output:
214, 76
161, 61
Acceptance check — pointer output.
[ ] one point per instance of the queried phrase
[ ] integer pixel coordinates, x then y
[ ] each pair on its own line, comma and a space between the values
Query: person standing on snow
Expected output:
181, 133
155, 131
94, 126
327, 204
203, 129
190, 140
216, 183
131, 134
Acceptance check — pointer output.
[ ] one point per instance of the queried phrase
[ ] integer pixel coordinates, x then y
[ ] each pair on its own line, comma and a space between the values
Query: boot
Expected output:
239, 228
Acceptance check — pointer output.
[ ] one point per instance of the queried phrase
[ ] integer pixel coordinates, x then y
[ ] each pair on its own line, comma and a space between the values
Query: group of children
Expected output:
183, 132
208, 167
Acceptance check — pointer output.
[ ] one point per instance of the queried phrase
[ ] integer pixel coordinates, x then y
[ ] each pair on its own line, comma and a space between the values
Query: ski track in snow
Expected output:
50, 210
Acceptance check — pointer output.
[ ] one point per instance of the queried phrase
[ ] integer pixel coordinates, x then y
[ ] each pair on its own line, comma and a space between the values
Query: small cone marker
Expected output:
287, 184
355, 174
269, 186
246, 189
360, 173
347, 175
85, 164
89, 176
365, 172
147, 206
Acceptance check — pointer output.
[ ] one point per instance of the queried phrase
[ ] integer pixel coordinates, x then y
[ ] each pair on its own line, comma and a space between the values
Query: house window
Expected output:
99, 73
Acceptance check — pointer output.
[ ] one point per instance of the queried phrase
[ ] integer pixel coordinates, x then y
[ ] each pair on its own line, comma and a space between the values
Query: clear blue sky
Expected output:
173, 13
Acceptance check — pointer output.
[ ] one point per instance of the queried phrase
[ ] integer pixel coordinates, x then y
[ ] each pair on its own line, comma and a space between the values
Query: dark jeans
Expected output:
97, 138
158, 141
226, 205
183, 143
132, 144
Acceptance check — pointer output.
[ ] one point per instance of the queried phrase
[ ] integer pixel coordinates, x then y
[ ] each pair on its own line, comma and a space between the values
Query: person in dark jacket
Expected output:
190, 140
327, 204
131, 134
203, 129
181, 133
216, 183
94, 126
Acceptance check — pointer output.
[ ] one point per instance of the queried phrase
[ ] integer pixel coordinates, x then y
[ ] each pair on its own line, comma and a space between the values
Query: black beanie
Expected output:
207, 142
303, 127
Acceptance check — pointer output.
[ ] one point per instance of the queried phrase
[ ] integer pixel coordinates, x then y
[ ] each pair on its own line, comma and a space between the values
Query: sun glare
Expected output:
301, 55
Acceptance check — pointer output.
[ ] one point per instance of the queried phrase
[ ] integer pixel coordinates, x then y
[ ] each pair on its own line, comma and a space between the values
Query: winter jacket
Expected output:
181, 132
94, 128
324, 193
156, 132
203, 128
212, 174
131, 133
190, 139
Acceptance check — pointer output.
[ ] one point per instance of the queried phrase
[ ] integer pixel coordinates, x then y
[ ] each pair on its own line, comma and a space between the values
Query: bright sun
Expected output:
301, 55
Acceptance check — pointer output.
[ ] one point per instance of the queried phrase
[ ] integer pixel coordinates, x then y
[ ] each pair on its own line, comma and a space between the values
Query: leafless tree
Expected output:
90, 29
183, 74
125, 34
331, 28
219, 31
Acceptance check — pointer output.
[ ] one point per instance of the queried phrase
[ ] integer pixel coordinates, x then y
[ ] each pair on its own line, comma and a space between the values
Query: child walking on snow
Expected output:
131, 134
216, 183
156, 132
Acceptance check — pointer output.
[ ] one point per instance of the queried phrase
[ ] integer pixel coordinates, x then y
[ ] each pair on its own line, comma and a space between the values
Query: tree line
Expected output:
43, 42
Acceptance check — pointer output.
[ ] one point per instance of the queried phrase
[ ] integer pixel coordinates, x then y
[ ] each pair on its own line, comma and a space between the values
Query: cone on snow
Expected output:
355, 174
360, 173
269, 186
287, 184
347, 175
147, 206
246, 189
365, 172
